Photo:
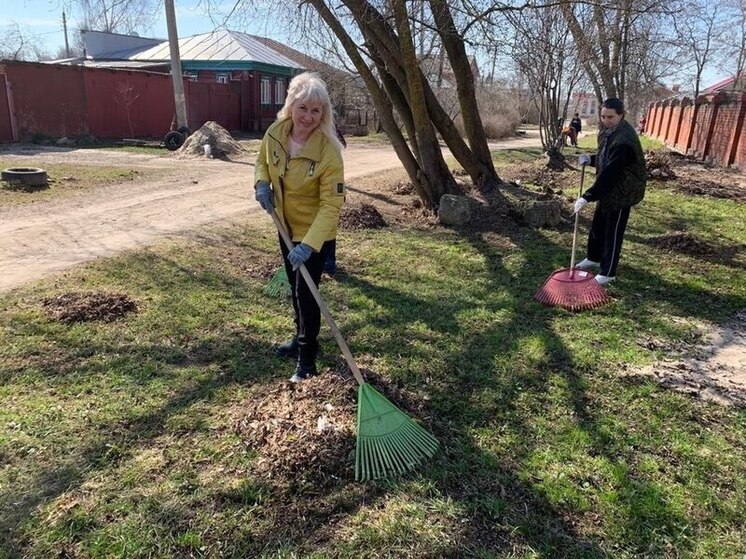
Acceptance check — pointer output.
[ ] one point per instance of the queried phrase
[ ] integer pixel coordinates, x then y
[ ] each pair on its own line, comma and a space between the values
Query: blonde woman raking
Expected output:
299, 173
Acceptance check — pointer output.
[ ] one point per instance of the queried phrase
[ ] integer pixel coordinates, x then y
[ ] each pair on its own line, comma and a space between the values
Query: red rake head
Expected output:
572, 289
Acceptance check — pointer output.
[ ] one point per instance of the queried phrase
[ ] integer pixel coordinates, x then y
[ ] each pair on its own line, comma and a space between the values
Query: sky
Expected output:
43, 20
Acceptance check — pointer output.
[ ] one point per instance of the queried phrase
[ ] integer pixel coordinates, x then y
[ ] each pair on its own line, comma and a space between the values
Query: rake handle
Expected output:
320, 302
577, 219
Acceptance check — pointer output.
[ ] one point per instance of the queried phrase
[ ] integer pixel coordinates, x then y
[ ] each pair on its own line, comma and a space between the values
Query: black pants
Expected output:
605, 239
307, 312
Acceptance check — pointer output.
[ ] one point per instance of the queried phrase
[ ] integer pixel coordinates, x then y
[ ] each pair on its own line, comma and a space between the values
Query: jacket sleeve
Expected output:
261, 169
331, 197
619, 158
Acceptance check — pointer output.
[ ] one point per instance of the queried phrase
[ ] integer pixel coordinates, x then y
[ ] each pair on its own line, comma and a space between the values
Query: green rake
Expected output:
278, 286
388, 440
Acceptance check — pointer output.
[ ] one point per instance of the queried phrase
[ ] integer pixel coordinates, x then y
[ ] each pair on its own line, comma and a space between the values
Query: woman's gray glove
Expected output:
299, 255
264, 196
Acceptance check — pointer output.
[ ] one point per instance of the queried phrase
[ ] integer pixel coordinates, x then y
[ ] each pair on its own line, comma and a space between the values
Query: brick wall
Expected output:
710, 127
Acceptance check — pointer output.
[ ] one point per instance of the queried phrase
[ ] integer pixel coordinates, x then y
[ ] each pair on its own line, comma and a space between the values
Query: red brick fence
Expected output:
711, 127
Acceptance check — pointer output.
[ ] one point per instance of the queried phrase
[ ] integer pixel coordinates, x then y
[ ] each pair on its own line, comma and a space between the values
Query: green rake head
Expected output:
388, 440
278, 286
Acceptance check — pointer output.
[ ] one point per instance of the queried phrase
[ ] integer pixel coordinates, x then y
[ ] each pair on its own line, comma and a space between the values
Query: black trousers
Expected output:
307, 312
605, 239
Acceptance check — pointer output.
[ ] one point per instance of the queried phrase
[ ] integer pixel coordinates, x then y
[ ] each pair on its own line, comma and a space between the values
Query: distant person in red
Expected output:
643, 122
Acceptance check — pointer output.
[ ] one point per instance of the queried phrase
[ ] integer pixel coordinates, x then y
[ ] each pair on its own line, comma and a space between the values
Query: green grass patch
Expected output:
376, 138
155, 151
66, 179
117, 438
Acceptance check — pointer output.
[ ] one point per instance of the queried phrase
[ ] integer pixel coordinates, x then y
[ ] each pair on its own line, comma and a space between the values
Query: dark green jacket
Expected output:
621, 183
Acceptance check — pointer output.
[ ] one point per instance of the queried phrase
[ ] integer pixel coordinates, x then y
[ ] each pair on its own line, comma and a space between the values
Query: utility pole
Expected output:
64, 26
176, 76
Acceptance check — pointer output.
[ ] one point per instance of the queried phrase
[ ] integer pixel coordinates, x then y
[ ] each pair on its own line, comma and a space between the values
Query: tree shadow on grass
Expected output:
496, 487
693, 247
499, 500
232, 356
497, 382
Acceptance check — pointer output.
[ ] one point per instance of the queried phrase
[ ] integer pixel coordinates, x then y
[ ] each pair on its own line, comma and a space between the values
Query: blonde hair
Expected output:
309, 86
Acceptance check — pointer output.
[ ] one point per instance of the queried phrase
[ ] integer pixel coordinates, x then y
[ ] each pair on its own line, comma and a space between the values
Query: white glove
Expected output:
584, 159
580, 203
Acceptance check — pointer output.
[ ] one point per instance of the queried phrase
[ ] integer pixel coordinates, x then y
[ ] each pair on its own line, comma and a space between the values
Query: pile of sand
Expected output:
211, 133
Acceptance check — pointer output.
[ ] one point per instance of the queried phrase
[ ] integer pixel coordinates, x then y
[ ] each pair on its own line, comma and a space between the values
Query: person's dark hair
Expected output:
614, 104
576, 114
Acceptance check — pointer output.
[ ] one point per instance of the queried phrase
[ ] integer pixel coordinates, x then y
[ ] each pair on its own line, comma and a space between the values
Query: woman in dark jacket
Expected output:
621, 176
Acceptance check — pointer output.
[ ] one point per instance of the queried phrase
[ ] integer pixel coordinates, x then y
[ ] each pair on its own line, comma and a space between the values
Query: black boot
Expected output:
306, 365
288, 349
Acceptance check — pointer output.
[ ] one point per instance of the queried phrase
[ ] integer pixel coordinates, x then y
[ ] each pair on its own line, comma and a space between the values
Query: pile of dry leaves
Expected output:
361, 216
83, 307
304, 433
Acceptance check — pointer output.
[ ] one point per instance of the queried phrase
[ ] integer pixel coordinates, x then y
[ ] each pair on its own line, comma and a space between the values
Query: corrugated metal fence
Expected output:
55, 100
710, 127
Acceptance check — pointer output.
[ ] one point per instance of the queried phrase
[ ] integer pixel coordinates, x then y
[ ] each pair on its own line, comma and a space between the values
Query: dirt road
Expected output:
36, 239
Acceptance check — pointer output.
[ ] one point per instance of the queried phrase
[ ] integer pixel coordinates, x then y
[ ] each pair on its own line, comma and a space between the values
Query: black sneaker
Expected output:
303, 372
288, 349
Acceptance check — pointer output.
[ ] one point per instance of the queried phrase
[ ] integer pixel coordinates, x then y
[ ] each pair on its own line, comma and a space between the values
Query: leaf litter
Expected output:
305, 434
88, 306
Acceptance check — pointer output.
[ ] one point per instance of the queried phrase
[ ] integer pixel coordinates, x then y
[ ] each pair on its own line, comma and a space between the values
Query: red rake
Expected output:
569, 288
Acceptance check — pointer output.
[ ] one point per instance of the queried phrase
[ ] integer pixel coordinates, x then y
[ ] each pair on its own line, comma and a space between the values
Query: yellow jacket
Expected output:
309, 188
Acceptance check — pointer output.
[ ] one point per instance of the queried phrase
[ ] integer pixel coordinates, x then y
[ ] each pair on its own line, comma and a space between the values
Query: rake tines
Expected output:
278, 286
388, 440
572, 289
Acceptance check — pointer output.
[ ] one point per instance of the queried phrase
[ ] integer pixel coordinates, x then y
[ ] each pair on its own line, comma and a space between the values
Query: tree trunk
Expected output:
454, 46
385, 42
380, 100
433, 166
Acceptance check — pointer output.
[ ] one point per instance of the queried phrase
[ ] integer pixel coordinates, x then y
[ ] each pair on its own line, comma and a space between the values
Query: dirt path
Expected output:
37, 239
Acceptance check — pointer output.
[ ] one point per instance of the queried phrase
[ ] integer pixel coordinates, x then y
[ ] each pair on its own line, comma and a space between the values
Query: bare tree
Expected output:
116, 16
698, 30
127, 95
608, 36
17, 43
734, 50
381, 39
545, 54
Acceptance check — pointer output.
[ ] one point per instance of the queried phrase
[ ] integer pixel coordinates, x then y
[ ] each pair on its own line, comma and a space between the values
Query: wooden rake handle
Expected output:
322, 305
577, 219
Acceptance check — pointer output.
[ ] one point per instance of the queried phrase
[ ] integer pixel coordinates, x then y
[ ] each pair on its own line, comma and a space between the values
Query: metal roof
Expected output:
218, 47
